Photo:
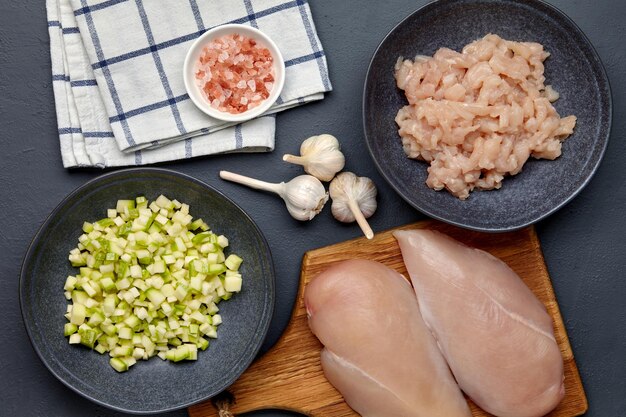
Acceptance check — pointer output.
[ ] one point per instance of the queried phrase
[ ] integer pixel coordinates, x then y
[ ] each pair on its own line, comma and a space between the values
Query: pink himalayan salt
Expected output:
234, 73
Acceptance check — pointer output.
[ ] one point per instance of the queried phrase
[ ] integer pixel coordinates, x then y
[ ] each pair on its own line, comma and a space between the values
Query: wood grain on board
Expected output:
290, 376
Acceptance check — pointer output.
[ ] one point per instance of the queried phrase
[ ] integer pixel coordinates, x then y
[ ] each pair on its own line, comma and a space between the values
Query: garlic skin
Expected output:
304, 195
354, 198
320, 156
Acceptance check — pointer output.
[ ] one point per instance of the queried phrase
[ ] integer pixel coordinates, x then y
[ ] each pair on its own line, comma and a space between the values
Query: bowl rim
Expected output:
205, 107
603, 75
264, 325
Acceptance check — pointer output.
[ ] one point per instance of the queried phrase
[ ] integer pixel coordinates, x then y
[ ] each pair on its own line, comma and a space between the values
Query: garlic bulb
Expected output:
304, 195
354, 198
320, 157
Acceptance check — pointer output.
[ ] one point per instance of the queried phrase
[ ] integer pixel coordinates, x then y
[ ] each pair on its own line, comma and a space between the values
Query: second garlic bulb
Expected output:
320, 156
304, 195
354, 198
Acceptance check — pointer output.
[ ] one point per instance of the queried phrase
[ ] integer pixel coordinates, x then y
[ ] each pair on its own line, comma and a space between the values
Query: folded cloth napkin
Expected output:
118, 84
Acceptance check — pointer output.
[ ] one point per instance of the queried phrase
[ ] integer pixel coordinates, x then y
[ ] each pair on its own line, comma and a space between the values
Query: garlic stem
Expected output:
251, 182
360, 219
293, 159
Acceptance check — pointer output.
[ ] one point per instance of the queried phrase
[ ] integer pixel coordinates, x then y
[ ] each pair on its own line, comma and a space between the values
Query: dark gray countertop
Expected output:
584, 243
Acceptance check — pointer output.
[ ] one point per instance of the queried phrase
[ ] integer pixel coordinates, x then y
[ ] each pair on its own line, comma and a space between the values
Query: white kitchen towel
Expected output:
148, 129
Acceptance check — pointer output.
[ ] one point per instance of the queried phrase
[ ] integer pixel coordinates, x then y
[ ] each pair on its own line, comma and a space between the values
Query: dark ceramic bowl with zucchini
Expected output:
154, 385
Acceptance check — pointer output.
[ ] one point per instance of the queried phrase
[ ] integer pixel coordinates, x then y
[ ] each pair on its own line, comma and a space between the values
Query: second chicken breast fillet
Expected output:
495, 334
378, 352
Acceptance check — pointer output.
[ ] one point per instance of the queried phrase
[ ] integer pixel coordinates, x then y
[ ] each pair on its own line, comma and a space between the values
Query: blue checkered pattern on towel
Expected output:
117, 76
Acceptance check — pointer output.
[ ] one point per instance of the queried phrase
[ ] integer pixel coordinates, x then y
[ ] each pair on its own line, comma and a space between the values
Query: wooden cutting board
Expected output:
290, 376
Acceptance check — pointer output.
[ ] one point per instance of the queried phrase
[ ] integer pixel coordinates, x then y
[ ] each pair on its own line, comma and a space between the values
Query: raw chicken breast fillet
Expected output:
495, 334
378, 352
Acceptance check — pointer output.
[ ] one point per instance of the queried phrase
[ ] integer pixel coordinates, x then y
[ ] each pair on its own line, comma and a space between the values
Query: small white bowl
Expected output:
193, 55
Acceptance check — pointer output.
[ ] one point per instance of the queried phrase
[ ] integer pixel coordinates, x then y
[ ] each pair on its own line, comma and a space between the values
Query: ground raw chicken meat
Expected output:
235, 73
478, 115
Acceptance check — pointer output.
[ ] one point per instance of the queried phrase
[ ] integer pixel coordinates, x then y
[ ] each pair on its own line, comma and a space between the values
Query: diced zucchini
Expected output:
107, 284
69, 329
222, 241
150, 278
124, 205
101, 349
88, 337
233, 262
155, 296
216, 269
202, 343
118, 364
79, 312
70, 283
192, 350
232, 283
164, 202
96, 319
